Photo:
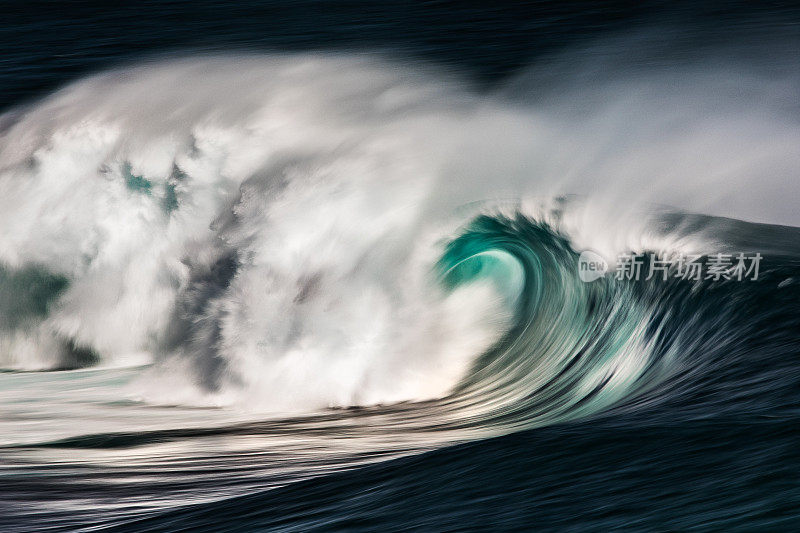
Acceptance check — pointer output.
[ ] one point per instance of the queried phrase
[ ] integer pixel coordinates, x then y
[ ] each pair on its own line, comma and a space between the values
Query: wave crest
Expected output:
270, 229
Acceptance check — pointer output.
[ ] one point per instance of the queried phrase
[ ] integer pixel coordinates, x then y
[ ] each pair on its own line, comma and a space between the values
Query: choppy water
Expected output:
272, 270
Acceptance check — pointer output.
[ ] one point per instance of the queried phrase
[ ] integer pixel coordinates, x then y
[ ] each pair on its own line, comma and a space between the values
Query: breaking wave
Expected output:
294, 232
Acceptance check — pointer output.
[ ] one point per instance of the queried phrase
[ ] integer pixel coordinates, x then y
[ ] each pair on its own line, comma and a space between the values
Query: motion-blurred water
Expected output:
301, 266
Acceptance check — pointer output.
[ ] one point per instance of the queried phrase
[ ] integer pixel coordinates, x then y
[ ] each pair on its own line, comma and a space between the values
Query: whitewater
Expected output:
370, 253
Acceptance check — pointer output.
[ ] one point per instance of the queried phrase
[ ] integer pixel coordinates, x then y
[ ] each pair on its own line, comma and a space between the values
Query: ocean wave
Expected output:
287, 233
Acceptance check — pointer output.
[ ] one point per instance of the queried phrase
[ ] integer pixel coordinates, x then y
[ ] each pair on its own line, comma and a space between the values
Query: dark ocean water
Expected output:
49, 43
644, 405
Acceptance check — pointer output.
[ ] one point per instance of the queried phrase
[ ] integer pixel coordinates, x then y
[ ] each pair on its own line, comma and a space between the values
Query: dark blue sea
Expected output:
399, 266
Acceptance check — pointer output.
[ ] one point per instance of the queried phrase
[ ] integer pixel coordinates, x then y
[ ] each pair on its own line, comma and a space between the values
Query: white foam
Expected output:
336, 180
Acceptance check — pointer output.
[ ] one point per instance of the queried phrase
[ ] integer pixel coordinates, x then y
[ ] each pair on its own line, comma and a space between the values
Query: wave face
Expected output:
288, 233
